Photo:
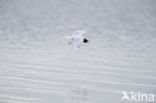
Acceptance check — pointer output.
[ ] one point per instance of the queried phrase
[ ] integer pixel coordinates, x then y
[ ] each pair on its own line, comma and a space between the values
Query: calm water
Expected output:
37, 65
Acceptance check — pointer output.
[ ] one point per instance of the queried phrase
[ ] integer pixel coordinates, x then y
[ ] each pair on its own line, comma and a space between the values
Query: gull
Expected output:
78, 38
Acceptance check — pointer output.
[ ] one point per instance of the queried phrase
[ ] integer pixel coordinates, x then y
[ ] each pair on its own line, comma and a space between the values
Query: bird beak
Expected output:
69, 43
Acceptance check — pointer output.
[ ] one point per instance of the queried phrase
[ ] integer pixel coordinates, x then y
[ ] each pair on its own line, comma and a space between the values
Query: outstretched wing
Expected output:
78, 42
78, 33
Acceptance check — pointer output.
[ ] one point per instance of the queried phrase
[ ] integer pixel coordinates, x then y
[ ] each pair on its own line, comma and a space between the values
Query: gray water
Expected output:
37, 65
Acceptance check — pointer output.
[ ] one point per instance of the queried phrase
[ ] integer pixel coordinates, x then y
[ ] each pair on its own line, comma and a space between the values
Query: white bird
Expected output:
78, 38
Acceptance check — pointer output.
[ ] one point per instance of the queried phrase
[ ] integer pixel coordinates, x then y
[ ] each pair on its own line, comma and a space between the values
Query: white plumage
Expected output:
77, 36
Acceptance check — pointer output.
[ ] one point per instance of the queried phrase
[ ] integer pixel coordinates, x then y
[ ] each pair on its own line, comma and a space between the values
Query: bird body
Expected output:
77, 37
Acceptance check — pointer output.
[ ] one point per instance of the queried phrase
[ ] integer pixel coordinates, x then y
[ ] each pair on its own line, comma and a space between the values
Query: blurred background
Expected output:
37, 65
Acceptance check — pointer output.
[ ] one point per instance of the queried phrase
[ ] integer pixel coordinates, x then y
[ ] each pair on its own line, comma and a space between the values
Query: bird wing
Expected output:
78, 33
78, 42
